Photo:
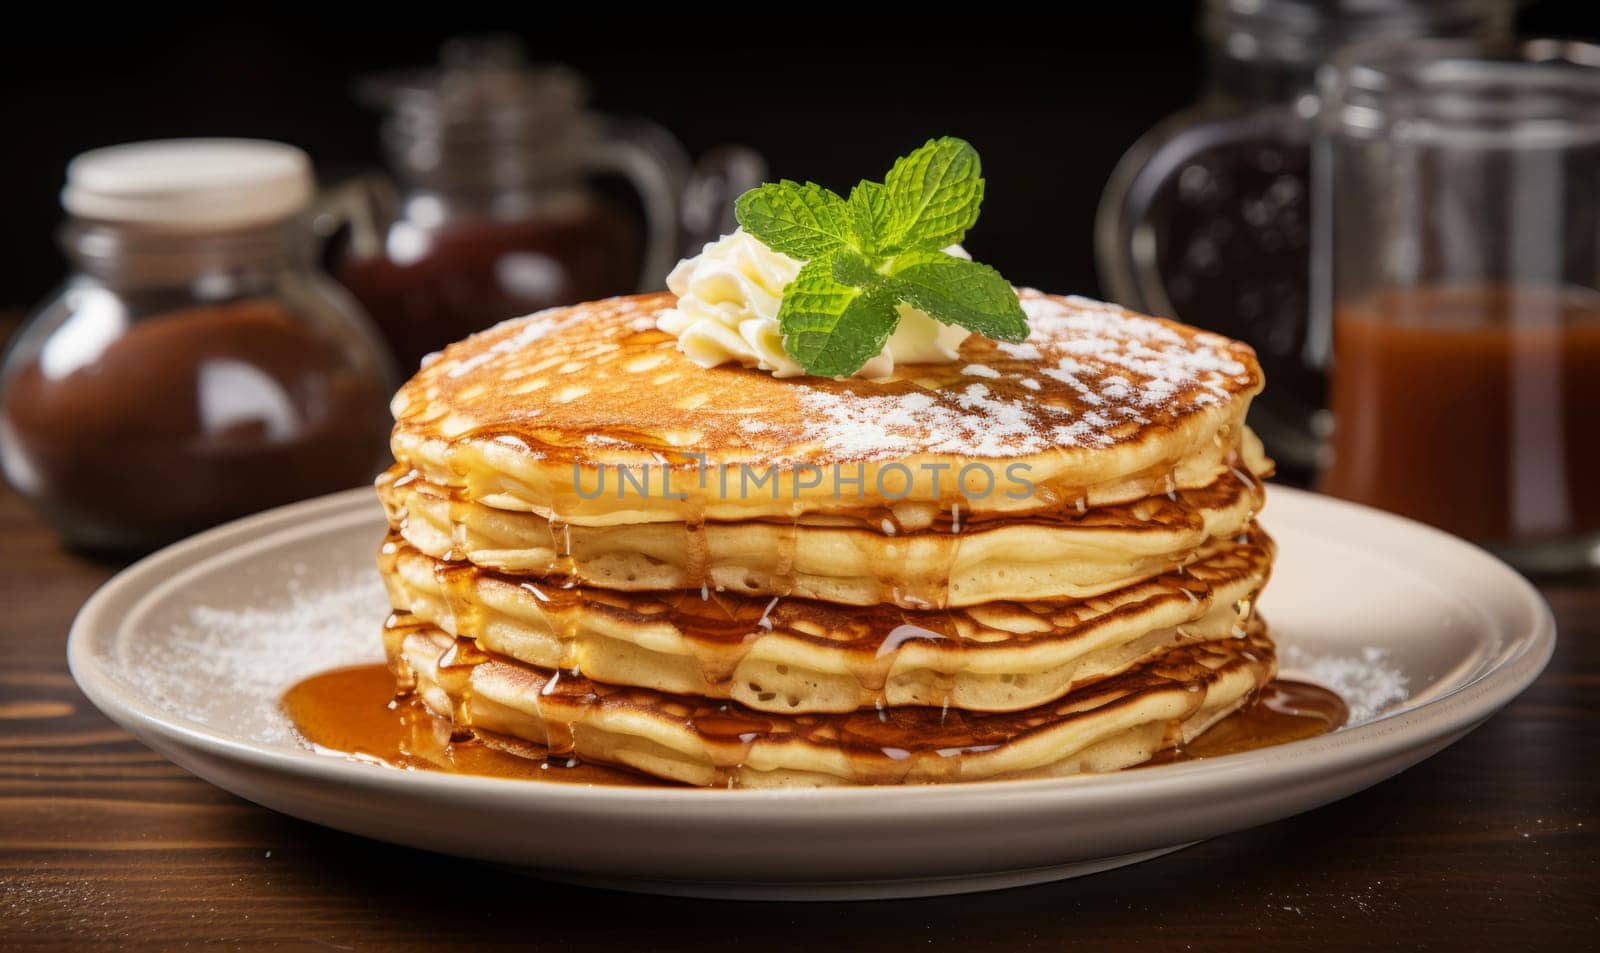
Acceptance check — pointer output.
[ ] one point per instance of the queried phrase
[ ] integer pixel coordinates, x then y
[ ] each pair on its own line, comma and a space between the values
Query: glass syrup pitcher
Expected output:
493, 212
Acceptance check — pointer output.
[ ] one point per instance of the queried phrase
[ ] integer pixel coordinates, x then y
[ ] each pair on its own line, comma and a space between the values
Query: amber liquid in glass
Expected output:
1474, 408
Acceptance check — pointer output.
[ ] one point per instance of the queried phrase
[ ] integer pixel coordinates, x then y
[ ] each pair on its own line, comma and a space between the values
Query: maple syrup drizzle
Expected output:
719, 629
354, 712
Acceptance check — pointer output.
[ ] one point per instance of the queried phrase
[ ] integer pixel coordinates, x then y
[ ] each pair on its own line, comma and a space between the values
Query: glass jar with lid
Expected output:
1458, 242
1207, 218
195, 366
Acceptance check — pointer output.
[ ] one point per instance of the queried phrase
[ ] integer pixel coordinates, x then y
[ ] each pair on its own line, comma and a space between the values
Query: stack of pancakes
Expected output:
1040, 559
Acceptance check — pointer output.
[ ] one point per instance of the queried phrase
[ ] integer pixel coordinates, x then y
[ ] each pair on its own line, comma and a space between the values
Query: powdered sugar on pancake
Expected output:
531, 329
975, 423
1121, 367
1158, 361
1089, 376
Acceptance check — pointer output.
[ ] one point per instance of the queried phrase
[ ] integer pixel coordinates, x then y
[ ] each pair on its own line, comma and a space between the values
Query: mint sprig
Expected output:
881, 247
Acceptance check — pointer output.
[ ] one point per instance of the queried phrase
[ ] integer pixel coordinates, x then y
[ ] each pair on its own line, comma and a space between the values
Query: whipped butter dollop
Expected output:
728, 298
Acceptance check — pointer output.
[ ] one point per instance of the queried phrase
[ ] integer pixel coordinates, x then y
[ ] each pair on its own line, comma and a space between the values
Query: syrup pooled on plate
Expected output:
354, 712
1285, 711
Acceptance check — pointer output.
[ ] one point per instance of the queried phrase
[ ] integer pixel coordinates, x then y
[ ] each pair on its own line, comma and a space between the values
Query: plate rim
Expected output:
1451, 713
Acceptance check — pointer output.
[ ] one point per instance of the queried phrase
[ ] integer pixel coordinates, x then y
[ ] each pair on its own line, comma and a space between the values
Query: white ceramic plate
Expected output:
191, 649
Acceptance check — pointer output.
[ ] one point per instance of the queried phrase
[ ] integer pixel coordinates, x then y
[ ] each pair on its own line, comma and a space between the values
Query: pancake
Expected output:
798, 655
1112, 724
1040, 559
952, 561
1099, 406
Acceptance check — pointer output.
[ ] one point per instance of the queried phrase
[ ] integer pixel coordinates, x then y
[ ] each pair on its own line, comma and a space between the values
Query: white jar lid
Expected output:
190, 183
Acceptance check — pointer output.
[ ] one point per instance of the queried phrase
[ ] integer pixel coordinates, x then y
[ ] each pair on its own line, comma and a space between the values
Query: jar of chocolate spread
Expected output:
194, 367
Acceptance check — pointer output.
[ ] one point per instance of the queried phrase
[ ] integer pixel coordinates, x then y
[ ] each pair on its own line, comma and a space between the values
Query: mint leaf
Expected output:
869, 208
830, 327
881, 247
933, 196
854, 270
956, 291
802, 220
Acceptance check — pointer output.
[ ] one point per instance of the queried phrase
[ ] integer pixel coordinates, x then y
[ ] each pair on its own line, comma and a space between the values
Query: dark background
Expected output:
1050, 108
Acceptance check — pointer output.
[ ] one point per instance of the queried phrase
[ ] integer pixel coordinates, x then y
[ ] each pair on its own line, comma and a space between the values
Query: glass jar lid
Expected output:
193, 185
1539, 93
1305, 31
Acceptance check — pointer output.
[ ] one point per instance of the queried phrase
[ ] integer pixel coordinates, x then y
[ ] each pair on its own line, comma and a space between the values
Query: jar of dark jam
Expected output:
1208, 216
496, 213
195, 367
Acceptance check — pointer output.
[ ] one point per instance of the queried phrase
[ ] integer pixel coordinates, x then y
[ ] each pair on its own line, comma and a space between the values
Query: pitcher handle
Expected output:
653, 162
721, 175
364, 204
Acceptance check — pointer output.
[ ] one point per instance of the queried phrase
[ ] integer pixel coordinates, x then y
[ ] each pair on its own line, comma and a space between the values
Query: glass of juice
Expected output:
1456, 257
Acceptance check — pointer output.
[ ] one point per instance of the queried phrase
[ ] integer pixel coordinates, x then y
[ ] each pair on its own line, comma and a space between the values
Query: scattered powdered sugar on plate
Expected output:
1368, 682
227, 667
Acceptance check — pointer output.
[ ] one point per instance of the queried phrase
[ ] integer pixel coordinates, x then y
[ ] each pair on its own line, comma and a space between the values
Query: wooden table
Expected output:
105, 844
